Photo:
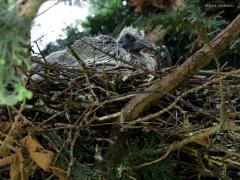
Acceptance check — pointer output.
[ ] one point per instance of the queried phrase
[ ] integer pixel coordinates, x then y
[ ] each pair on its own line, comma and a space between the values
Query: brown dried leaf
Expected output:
204, 142
23, 124
20, 128
137, 4
178, 3
17, 168
20, 168
37, 152
4, 127
5, 148
14, 131
43, 158
157, 34
6, 161
158, 4
61, 174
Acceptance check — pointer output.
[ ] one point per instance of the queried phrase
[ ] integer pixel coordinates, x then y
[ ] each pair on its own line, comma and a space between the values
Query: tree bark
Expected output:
140, 103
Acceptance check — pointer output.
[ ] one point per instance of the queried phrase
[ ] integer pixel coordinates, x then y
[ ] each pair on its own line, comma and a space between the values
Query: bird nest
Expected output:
71, 128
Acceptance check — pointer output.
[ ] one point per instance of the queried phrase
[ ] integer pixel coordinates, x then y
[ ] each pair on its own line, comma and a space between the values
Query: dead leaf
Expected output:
157, 34
205, 141
177, 4
5, 148
5, 127
6, 161
20, 128
139, 5
17, 168
160, 4
43, 158
61, 174
37, 152
14, 131
23, 123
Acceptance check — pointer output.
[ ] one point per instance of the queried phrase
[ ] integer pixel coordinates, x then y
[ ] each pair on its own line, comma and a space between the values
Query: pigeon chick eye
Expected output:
128, 36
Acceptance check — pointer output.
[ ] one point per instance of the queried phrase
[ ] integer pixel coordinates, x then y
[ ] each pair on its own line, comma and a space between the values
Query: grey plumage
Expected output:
127, 49
133, 40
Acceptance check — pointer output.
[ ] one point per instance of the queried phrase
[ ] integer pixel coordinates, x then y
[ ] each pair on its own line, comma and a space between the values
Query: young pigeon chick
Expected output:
133, 40
126, 49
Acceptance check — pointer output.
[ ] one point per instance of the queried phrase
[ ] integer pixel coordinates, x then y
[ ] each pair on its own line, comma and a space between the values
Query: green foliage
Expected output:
136, 150
109, 17
189, 28
232, 54
191, 18
83, 152
119, 163
80, 171
12, 53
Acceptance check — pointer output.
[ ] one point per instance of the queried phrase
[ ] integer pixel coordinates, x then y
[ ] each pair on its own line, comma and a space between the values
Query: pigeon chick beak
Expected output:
142, 43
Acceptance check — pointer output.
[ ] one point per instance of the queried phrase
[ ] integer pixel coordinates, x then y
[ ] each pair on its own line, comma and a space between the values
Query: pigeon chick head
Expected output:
132, 40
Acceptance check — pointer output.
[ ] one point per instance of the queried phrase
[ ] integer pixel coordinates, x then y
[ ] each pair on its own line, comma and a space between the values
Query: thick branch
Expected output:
140, 103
